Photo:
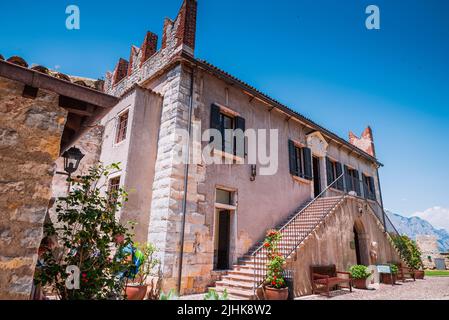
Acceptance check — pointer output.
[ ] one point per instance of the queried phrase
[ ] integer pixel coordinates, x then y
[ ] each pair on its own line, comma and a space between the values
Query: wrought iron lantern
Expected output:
72, 158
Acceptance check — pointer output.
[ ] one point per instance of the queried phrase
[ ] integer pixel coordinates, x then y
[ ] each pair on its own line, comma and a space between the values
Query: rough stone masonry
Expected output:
30, 135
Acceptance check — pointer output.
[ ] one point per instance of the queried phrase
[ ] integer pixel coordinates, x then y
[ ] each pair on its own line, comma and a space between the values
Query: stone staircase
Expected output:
240, 281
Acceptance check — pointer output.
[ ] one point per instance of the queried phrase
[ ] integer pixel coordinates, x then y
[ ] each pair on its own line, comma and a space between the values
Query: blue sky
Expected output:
315, 56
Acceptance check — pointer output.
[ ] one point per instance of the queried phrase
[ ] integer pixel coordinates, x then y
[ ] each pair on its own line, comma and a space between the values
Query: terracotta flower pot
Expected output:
276, 294
389, 278
135, 292
359, 283
419, 274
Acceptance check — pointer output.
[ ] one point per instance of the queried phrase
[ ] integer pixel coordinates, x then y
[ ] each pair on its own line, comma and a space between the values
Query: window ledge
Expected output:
118, 144
227, 155
302, 180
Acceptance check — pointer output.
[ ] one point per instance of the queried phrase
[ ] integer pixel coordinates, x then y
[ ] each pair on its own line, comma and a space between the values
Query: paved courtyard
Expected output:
432, 288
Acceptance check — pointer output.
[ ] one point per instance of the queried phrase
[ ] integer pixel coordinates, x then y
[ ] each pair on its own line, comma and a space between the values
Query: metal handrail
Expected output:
295, 238
385, 218
259, 277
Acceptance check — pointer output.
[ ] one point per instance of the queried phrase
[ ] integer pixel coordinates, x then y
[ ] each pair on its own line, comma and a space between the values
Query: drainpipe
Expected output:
186, 177
381, 200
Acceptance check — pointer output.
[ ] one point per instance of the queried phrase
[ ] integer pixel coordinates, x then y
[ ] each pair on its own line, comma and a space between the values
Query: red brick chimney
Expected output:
120, 71
365, 142
149, 46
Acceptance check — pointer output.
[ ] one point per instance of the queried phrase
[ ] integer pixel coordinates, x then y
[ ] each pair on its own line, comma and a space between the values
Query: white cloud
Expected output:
437, 216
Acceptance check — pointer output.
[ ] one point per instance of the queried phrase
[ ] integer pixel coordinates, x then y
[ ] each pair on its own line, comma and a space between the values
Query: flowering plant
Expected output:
89, 237
276, 262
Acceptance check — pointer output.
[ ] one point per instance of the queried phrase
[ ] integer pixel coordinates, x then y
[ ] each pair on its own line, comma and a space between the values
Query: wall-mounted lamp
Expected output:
253, 172
72, 158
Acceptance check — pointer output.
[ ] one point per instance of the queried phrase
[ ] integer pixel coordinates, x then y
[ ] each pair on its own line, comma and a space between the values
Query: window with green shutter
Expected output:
300, 160
226, 123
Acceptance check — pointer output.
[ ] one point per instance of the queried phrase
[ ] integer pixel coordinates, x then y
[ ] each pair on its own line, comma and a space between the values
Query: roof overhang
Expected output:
279, 106
85, 106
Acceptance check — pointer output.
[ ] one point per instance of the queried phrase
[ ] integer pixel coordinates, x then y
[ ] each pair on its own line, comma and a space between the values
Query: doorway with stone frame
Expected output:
361, 246
224, 228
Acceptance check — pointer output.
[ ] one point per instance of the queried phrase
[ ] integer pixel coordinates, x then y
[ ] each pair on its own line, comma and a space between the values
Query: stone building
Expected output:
324, 192
430, 254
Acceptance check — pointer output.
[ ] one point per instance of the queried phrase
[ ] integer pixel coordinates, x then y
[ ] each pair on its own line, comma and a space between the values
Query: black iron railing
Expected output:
307, 219
295, 231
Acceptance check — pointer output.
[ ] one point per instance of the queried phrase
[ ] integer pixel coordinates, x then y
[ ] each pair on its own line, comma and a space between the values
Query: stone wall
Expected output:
30, 135
429, 250
168, 191
332, 243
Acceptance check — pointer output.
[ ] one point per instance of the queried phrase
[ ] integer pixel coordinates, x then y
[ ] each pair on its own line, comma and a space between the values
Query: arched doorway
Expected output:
361, 243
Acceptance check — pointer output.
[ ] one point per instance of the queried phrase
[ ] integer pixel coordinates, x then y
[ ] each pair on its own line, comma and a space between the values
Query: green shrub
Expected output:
394, 268
213, 295
90, 238
409, 251
171, 295
359, 271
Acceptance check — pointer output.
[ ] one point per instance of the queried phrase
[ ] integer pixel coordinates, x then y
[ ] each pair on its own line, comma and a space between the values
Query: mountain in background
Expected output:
413, 226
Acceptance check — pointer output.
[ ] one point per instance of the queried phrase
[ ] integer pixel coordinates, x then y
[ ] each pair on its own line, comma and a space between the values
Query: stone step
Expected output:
246, 272
236, 293
240, 277
227, 283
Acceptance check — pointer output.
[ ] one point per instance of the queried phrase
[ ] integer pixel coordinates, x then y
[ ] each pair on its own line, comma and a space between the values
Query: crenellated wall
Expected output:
146, 61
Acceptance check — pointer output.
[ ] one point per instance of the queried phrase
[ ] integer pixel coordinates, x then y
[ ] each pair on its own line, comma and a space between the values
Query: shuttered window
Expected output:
352, 180
368, 187
300, 161
330, 171
334, 170
225, 123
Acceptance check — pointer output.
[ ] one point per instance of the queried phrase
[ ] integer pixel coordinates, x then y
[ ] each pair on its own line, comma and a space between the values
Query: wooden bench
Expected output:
405, 272
324, 278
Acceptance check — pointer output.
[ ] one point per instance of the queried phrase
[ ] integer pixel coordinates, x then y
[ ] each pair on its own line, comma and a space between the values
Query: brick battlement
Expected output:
144, 61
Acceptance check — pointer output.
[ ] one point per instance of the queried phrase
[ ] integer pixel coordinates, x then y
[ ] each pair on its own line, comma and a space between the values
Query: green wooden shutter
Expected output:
372, 188
215, 124
307, 154
365, 186
292, 158
357, 182
329, 172
339, 171
239, 150
348, 180
215, 117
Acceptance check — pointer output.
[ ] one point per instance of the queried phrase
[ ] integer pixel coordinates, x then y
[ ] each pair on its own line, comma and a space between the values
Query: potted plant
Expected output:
143, 265
275, 285
359, 274
390, 278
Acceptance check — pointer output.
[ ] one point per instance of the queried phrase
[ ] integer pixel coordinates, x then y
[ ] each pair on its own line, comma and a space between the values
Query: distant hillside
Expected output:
414, 226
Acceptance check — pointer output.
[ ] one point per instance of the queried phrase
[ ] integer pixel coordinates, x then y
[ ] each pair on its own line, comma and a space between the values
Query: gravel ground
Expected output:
431, 288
